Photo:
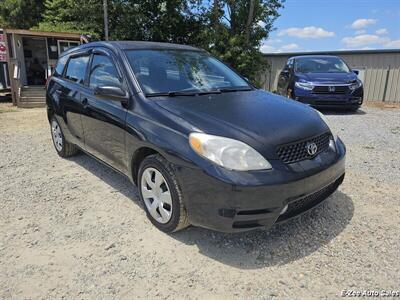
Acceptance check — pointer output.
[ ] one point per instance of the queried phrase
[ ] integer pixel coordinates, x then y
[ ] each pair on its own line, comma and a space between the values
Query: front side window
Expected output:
103, 72
162, 71
321, 65
76, 69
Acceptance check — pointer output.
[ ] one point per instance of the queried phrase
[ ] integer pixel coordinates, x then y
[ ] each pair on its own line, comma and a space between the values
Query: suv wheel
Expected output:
63, 148
161, 194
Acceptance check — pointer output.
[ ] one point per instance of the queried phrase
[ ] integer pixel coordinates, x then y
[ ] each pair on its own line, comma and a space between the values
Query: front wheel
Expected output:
161, 194
63, 148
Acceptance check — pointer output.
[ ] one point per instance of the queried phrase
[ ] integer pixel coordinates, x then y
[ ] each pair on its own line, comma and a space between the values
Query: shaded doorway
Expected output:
35, 53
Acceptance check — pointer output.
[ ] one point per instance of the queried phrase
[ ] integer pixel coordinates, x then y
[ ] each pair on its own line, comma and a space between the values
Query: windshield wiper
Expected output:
227, 90
183, 93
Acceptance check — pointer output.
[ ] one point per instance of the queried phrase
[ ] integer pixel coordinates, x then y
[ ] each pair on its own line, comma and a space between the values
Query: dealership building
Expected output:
379, 70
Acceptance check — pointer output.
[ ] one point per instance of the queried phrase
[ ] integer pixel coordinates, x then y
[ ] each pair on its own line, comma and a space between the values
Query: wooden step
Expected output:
31, 104
33, 99
33, 95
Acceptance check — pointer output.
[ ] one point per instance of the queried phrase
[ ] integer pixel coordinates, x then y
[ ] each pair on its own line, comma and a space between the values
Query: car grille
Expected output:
297, 151
333, 89
301, 205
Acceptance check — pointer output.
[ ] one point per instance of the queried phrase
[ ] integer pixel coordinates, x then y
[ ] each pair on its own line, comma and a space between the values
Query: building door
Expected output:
35, 55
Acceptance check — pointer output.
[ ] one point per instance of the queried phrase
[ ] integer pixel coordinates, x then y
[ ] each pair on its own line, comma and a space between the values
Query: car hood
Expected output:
327, 77
260, 119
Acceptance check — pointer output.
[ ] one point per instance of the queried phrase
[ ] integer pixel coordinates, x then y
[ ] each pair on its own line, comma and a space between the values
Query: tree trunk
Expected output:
249, 22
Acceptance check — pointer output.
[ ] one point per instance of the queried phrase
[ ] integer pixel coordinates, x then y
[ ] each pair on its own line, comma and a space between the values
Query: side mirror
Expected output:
284, 73
356, 72
112, 93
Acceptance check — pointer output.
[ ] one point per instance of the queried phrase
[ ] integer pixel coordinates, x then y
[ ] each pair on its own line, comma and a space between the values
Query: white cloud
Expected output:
267, 49
261, 23
362, 31
361, 23
289, 47
393, 44
284, 48
310, 32
381, 31
364, 40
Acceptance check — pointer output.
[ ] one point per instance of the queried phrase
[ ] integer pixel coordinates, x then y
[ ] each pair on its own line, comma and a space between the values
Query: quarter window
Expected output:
103, 72
76, 69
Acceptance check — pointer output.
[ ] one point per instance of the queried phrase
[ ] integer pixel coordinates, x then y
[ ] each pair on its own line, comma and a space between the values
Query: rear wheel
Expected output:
161, 194
63, 148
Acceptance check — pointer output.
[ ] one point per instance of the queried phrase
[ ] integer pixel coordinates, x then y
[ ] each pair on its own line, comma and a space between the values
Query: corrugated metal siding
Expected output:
382, 72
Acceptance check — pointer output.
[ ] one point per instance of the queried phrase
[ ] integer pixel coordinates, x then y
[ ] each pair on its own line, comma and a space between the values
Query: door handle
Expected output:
58, 92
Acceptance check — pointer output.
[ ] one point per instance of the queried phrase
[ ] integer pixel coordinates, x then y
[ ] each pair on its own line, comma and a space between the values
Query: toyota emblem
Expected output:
311, 148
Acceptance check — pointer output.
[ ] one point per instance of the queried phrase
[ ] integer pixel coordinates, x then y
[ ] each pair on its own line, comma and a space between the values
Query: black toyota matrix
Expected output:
203, 146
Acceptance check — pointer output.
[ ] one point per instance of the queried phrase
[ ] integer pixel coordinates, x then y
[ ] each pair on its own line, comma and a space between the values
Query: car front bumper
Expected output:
218, 205
348, 100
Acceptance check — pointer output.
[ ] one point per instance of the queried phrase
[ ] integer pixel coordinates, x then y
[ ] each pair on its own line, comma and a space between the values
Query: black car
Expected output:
203, 146
321, 81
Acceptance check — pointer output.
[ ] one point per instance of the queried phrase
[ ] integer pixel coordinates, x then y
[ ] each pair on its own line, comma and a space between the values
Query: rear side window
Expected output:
103, 72
60, 66
76, 69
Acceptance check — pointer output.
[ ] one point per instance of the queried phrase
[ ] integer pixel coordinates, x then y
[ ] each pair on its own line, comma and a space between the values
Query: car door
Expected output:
69, 90
104, 118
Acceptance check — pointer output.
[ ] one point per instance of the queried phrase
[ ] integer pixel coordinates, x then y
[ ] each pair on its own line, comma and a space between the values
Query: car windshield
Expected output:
179, 72
321, 65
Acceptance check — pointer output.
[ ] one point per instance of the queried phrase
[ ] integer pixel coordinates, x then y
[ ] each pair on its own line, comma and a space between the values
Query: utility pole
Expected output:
105, 20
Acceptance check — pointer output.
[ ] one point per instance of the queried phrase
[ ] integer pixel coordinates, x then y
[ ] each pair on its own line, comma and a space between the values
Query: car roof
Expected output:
312, 56
133, 45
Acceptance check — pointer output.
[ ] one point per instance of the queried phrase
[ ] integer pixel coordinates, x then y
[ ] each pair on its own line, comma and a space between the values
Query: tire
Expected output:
155, 194
63, 148
354, 109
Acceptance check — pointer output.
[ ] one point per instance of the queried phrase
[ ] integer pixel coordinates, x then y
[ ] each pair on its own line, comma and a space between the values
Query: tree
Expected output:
233, 30
80, 16
238, 28
22, 14
156, 20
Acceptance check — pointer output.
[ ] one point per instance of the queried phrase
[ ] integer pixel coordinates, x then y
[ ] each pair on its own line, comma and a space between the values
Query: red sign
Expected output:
3, 48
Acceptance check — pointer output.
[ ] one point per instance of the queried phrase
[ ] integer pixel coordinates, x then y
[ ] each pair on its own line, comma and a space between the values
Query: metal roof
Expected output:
335, 52
43, 33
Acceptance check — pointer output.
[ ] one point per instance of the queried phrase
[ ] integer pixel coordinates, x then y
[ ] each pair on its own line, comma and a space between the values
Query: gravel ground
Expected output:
76, 229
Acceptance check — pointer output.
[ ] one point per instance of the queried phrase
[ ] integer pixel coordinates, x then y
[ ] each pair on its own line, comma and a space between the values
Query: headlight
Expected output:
355, 85
304, 85
228, 153
335, 136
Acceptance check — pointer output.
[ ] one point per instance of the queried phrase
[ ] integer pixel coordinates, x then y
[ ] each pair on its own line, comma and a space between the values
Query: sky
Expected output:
326, 25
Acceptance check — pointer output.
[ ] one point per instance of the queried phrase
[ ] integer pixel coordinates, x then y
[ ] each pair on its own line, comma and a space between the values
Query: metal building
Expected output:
379, 70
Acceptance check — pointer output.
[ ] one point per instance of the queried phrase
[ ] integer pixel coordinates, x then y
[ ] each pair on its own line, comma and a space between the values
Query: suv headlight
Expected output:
304, 85
228, 153
355, 85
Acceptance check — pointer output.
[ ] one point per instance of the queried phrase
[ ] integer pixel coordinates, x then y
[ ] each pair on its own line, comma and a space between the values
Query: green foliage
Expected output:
80, 16
233, 30
237, 32
22, 14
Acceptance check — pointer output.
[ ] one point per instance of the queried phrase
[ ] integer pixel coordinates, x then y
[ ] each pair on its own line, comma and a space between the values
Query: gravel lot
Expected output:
76, 229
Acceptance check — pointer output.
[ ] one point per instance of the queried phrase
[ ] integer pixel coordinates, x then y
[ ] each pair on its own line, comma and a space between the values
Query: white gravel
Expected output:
75, 229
